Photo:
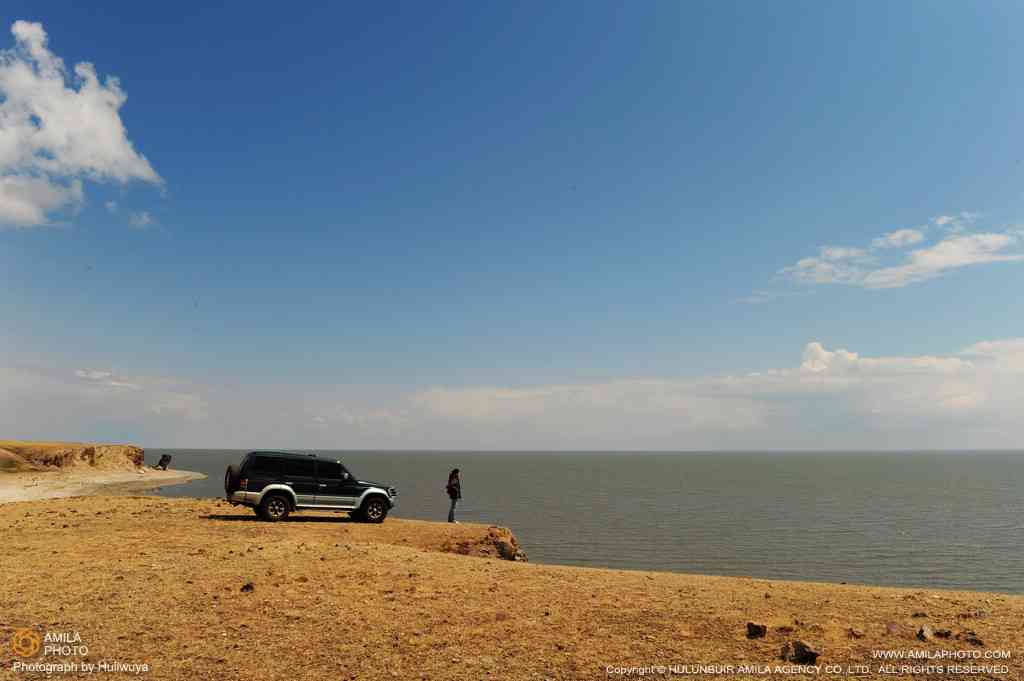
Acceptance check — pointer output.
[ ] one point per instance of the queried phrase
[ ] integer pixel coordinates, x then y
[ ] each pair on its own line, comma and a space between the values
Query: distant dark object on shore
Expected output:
163, 463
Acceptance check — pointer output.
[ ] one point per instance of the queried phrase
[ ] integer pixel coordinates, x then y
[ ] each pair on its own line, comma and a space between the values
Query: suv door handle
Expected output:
323, 484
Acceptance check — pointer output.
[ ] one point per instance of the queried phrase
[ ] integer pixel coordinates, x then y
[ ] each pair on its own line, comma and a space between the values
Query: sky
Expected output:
592, 225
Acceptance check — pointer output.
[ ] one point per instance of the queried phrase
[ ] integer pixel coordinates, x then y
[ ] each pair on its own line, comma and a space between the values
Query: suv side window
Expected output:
263, 466
329, 470
299, 468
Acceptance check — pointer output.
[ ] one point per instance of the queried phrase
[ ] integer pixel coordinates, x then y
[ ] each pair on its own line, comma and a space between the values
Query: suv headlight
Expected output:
392, 492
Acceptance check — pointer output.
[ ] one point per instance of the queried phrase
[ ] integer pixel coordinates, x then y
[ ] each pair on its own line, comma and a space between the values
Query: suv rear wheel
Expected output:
275, 507
375, 510
231, 479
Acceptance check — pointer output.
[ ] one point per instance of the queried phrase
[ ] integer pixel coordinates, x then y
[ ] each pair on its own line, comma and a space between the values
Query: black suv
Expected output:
277, 483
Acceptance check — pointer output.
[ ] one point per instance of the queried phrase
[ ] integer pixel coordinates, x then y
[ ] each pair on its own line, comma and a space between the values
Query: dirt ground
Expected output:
200, 590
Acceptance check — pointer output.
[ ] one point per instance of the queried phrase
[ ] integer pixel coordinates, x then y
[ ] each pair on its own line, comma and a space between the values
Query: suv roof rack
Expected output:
273, 452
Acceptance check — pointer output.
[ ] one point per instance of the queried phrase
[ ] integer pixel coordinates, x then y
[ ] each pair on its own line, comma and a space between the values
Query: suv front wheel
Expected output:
274, 507
375, 510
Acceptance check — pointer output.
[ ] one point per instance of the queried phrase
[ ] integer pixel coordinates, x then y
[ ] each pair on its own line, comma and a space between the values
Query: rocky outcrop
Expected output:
499, 542
18, 455
506, 544
12, 463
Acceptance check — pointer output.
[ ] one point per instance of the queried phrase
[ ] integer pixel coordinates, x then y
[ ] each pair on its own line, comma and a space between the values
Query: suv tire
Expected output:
275, 507
374, 510
231, 479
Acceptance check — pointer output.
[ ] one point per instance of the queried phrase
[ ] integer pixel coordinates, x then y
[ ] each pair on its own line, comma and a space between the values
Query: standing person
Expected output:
454, 489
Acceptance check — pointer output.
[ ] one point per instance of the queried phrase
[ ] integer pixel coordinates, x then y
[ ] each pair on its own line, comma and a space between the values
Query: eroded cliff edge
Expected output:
18, 455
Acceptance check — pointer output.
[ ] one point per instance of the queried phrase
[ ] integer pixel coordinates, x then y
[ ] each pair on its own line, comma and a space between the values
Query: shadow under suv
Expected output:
276, 483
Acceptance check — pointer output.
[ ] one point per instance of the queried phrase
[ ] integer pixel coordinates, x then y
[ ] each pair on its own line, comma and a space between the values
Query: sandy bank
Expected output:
32, 486
201, 590
44, 470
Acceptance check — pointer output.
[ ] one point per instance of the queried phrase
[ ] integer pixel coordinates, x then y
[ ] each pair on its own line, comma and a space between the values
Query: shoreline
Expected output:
76, 482
27, 486
62, 484
433, 600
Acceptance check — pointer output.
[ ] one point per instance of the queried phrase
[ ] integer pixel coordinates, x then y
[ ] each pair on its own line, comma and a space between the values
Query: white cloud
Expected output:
111, 206
655, 407
833, 398
956, 224
820, 271
828, 397
56, 130
1005, 354
359, 417
180, 405
898, 239
818, 360
104, 378
834, 253
26, 200
958, 249
833, 264
140, 220
85, 404
723, 402
952, 253
760, 296
92, 374
757, 297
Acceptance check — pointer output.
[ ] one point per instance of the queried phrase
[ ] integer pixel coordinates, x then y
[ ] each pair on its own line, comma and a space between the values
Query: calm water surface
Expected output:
940, 519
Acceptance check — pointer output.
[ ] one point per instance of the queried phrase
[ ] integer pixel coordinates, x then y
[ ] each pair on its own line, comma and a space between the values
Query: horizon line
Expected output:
608, 451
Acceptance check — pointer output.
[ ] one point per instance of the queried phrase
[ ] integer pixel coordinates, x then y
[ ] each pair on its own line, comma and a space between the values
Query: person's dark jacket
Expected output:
455, 489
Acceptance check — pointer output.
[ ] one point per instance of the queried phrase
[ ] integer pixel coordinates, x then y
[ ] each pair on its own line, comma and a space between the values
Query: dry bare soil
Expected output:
197, 589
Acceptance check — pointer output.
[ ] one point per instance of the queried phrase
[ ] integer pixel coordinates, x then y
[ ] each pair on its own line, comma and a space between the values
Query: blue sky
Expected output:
369, 205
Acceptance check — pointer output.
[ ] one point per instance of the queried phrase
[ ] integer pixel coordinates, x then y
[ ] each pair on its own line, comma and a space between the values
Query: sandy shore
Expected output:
74, 482
197, 589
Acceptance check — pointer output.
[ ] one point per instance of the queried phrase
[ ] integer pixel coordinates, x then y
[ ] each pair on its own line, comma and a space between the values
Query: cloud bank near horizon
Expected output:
832, 399
57, 131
